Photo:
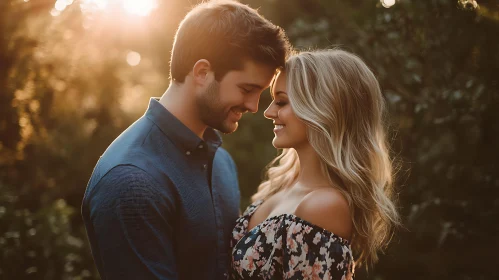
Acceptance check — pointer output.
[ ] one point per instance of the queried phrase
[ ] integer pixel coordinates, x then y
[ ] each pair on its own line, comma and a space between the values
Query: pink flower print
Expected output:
269, 236
254, 255
317, 268
296, 260
278, 243
304, 248
237, 235
261, 262
264, 230
257, 242
308, 229
307, 272
317, 238
295, 228
327, 275
299, 238
291, 243
248, 264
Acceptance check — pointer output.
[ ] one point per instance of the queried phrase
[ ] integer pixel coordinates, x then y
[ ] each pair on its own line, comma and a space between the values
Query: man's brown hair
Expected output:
226, 33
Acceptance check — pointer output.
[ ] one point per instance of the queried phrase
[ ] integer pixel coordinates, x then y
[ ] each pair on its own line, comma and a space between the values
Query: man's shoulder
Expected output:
126, 176
127, 172
126, 186
223, 154
223, 158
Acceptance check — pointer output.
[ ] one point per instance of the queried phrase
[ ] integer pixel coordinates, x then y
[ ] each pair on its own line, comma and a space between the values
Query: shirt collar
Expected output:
177, 132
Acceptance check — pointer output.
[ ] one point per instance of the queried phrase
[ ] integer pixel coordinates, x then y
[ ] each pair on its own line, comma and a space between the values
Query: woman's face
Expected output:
290, 132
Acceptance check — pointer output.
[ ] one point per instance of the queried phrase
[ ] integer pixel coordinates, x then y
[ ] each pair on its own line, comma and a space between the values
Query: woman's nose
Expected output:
270, 112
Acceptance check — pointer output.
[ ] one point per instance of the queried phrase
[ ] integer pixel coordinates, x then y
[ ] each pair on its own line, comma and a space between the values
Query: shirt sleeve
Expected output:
132, 224
310, 252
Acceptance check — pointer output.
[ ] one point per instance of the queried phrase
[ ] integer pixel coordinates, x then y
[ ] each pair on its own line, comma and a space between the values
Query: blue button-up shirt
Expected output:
161, 202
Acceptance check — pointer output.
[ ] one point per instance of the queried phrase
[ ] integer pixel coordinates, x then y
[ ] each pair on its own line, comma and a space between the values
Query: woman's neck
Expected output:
311, 173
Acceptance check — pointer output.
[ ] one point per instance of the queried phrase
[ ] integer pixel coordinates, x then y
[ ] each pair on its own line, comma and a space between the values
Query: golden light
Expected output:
139, 7
60, 5
94, 4
133, 58
55, 12
133, 7
387, 3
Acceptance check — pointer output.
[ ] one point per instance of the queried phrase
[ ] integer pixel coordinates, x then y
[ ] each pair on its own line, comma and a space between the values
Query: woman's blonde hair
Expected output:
339, 98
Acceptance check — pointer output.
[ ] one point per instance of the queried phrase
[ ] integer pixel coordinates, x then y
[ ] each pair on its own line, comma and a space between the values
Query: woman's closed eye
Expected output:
280, 103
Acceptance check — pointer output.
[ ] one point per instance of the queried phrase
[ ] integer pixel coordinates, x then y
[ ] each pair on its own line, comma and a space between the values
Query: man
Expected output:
164, 197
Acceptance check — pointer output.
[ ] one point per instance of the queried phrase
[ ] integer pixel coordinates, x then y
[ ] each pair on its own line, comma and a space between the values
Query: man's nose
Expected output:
251, 103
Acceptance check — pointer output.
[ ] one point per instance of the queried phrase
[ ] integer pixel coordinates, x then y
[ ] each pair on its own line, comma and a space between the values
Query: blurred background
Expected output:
75, 73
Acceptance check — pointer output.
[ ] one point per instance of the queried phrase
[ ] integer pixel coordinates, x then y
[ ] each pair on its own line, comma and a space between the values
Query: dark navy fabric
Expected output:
162, 202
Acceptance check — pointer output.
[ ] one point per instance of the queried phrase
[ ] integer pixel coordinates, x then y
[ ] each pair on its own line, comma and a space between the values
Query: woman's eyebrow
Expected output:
276, 94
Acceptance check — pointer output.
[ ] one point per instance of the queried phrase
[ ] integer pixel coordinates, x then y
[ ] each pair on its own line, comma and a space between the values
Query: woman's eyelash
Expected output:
280, 103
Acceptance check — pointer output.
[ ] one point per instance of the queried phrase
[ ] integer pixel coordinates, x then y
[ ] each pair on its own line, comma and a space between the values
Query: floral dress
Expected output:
287, 247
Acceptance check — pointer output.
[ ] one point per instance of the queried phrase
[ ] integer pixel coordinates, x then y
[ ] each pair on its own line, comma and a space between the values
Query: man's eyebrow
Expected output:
257, 86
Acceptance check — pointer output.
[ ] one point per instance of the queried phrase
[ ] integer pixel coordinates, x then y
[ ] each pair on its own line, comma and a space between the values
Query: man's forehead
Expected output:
254, 73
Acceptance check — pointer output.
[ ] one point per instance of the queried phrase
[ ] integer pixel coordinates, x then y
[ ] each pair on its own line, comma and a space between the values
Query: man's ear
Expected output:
202, 72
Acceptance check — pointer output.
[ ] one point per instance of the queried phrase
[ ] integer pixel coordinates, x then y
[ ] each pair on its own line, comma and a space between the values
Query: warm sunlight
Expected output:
139, 7
133, 7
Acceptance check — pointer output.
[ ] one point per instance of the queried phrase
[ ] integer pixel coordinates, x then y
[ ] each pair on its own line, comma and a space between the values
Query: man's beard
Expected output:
211, 110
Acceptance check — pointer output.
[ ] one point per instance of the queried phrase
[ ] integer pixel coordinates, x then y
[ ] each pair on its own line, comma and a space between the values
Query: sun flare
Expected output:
139, 7
133, 7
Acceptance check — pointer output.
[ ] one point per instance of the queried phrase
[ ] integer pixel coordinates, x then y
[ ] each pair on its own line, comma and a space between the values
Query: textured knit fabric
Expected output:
161, 202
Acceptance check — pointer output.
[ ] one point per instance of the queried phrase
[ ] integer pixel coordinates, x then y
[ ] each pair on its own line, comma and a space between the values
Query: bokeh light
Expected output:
133, 58
387, 3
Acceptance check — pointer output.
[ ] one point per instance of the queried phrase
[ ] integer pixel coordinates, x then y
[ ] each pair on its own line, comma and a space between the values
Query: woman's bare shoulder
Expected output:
329, 209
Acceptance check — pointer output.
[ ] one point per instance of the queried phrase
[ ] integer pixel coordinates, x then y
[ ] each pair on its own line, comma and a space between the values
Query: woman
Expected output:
330, 193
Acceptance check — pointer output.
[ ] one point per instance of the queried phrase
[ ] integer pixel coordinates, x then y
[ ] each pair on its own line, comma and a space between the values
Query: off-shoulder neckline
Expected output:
257, 204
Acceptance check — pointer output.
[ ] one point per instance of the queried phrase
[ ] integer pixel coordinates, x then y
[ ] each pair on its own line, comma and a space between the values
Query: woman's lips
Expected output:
278, 127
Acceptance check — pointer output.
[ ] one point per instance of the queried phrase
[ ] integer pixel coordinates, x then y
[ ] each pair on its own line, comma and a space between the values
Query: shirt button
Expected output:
188, 152
205, 166
226, 275
200, 146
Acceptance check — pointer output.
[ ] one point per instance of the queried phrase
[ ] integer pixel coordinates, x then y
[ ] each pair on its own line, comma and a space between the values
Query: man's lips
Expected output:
237, 114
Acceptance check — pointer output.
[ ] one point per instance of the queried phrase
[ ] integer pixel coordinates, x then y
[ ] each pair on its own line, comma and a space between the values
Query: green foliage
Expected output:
66, 91
40, 243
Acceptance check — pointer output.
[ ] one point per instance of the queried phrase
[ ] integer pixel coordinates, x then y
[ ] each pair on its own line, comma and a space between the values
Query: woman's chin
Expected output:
279, 144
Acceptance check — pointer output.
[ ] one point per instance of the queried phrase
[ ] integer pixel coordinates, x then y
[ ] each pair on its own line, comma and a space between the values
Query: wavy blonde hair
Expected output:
339, 98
